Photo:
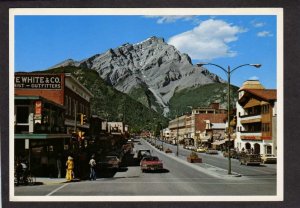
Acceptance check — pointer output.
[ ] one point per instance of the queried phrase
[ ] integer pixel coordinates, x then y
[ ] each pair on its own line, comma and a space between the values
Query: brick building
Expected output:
48, 109
192, 127
63, 89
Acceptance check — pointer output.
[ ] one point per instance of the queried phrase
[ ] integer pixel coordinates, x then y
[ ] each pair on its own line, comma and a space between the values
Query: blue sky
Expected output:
43, 41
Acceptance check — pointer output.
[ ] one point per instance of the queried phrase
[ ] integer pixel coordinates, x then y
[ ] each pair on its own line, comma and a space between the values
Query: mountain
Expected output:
112, 104
202, 97
151, 71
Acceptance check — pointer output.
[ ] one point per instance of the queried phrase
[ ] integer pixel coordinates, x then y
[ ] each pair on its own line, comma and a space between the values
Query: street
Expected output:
177, 178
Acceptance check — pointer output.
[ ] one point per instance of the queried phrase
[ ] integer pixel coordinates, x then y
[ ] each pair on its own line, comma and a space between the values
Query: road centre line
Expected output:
260, 178
160, 182
57, 189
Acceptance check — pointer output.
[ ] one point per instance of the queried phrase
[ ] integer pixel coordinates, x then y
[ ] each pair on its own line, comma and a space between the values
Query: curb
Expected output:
202, 169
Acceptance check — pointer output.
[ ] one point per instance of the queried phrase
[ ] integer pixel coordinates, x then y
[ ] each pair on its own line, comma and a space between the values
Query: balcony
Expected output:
251, 119
251, 133
250, 115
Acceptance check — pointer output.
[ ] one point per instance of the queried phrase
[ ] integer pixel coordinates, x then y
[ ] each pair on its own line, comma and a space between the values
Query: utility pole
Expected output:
177, 135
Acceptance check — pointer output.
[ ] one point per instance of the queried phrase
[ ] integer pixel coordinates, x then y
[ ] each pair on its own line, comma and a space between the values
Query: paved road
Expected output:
178, 178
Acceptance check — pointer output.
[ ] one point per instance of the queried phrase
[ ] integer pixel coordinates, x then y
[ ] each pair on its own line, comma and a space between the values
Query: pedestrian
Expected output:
92, 164
70, 167
19, 171
58, 165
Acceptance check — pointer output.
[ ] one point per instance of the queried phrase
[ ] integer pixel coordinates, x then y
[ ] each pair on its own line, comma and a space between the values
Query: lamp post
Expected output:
228, 72
177, 140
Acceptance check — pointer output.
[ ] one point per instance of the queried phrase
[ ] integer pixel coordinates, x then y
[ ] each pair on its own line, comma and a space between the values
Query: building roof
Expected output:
251, 84
266, 94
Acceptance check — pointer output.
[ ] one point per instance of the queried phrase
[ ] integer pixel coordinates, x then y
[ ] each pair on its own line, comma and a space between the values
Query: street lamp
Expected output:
228, 72
177, 135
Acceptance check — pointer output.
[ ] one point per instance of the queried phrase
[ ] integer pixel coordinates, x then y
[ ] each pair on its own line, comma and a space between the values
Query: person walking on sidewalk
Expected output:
58, 165
70, 167
92, 164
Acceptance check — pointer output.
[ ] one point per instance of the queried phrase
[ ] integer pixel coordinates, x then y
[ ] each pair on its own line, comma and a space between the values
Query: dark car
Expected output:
250, 159
143, 153
109, 162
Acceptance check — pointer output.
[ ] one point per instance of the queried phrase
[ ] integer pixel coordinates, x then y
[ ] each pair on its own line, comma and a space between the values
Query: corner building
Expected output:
47, 109
256, 119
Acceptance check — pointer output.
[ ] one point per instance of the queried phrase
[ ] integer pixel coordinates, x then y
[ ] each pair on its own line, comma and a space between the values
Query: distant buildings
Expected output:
254, 124
194, 128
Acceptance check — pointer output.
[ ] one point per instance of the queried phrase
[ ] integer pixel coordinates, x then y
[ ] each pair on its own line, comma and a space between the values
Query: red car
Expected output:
151, 163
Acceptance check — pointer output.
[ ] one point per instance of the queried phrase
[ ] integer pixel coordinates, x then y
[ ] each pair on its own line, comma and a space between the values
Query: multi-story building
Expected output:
39, 130
177, 129
256, 119
48, 109
193, 126
63, 89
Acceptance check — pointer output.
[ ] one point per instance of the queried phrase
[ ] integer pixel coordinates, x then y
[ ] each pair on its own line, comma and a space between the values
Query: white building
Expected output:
256, 119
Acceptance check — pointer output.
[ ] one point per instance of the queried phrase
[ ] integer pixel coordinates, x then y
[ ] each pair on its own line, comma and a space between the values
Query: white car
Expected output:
268, 158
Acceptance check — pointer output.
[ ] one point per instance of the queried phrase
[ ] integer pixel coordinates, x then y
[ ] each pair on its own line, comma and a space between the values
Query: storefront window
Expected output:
22, 114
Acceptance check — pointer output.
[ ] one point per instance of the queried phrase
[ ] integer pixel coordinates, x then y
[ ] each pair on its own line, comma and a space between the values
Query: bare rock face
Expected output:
152, 63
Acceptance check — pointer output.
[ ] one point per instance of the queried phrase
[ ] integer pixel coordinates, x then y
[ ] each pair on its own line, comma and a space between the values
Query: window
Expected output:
67, 103
22, 114
265, 127
70, 106
265, 109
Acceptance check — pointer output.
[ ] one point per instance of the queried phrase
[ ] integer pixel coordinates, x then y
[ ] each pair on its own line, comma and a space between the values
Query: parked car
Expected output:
201, 149
151, 163
253, 159
168, 150
109, 162
212, 151
268, 158
143, 153
233, 154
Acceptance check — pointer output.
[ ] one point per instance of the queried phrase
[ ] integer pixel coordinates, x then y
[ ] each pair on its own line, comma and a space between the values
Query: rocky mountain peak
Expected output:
151, 65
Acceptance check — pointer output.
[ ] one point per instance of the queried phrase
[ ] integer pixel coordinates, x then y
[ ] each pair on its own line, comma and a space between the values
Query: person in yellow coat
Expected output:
70, 167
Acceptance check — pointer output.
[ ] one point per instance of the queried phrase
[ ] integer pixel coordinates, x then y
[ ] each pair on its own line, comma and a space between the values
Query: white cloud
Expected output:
207, 41
173, 18
254, 78
264, 34
258, 24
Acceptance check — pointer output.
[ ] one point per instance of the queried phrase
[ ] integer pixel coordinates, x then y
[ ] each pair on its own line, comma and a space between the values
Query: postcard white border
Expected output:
151, 11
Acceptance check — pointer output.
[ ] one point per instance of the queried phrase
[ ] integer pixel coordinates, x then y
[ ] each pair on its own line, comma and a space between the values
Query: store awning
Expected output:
42, 136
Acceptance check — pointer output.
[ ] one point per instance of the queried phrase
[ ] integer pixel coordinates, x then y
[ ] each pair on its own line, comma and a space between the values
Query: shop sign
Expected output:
251, 137
38, 108
40, 81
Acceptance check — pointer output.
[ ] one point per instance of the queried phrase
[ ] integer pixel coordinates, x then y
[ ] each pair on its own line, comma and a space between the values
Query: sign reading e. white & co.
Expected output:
46, 81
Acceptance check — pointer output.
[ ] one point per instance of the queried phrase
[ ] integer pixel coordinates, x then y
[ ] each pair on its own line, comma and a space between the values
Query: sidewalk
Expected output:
51, 181
203, 167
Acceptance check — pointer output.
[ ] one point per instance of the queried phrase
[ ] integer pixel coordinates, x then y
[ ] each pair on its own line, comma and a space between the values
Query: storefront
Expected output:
40, 135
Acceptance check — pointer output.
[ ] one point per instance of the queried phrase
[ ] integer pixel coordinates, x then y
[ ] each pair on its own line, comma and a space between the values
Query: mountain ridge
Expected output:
151, 65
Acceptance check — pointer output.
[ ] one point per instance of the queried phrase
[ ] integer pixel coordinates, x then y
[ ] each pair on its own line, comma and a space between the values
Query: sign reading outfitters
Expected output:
34, 81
